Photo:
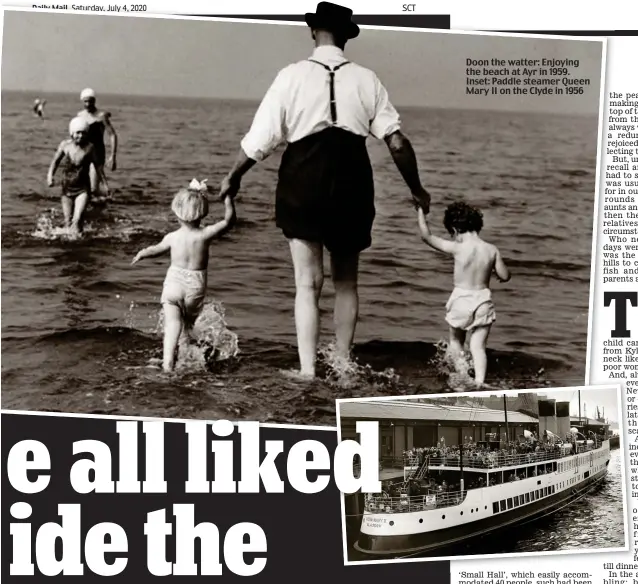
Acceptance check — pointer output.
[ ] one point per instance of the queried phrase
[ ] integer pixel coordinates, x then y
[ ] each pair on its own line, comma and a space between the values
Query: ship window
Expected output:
532, 496
509, 503
494, 507
443, 517
503, 505
527, 497
515, 501
421, 520
391, 523
538, 496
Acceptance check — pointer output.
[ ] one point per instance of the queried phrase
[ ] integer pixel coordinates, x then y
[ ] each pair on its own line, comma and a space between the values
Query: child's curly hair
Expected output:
461, 217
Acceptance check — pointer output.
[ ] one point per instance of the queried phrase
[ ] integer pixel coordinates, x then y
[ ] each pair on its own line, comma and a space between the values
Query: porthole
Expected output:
391, 523
443, 517
461, 512
421, 520
471, 511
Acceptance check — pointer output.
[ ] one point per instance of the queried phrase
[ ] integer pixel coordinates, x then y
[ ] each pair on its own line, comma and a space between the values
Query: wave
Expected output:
576, 172
548, 265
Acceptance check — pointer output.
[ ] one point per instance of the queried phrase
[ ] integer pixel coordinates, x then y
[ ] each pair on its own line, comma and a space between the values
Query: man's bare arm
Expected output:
403, 155
113, 139
232, 182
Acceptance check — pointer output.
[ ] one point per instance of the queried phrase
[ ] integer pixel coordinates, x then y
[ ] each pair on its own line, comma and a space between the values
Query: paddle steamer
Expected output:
509, 489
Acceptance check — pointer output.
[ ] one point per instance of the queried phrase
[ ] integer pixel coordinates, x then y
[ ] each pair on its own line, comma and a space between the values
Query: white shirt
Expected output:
297, 104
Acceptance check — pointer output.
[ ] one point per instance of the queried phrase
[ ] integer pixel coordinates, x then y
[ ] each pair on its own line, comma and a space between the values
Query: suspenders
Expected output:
333, 103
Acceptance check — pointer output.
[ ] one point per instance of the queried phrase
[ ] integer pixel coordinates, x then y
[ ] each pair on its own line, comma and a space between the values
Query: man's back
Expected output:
299, 103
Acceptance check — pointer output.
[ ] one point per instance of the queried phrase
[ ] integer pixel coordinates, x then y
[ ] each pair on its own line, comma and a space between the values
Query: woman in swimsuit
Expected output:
99, 125
76, 156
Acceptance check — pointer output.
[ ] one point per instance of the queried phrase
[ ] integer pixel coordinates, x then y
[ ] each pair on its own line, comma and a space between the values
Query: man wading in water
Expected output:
99, 124
324, 108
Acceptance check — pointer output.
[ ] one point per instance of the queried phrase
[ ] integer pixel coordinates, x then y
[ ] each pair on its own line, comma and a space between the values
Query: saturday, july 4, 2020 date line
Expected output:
95, 7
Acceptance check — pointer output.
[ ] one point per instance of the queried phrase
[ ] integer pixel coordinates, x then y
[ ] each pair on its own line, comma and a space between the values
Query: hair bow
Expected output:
196, 185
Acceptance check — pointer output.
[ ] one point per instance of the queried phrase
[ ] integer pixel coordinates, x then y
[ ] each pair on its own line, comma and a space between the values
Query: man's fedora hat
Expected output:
334, 18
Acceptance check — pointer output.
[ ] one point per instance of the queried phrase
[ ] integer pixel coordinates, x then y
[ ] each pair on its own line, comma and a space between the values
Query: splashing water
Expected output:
346, 373
458, 369
48, 226
210, 341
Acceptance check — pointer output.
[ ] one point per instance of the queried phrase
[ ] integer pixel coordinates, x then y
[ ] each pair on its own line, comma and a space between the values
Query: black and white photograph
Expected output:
209, 218
480, 474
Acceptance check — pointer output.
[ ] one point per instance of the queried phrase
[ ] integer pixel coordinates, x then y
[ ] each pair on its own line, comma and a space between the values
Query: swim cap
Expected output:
78, 125
87, 93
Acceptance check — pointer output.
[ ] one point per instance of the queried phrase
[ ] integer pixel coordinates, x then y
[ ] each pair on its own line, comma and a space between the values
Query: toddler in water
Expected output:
185, 283
76, 156
469, 308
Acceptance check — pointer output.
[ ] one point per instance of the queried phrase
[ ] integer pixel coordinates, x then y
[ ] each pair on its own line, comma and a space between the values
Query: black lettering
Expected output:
620, 312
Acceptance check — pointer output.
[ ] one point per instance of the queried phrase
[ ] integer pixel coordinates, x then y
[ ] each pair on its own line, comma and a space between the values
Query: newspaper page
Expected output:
300, 289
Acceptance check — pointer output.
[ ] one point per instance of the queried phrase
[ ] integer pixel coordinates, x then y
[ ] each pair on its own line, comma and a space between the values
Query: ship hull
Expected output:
391, 545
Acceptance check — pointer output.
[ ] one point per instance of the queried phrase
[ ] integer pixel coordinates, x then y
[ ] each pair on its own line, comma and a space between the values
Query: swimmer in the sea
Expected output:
469, 309
76, 157
38, 107
99, 124
186, 279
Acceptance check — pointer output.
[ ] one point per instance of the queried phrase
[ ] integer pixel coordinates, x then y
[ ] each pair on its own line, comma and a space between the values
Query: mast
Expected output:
507, 428
579, 407
461, 465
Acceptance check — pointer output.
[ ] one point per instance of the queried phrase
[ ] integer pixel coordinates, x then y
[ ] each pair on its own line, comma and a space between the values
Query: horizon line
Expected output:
258, 100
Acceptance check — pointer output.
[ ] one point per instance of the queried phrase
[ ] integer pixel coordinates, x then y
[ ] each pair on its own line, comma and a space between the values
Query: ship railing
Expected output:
487, 461
392, 461
405, 503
